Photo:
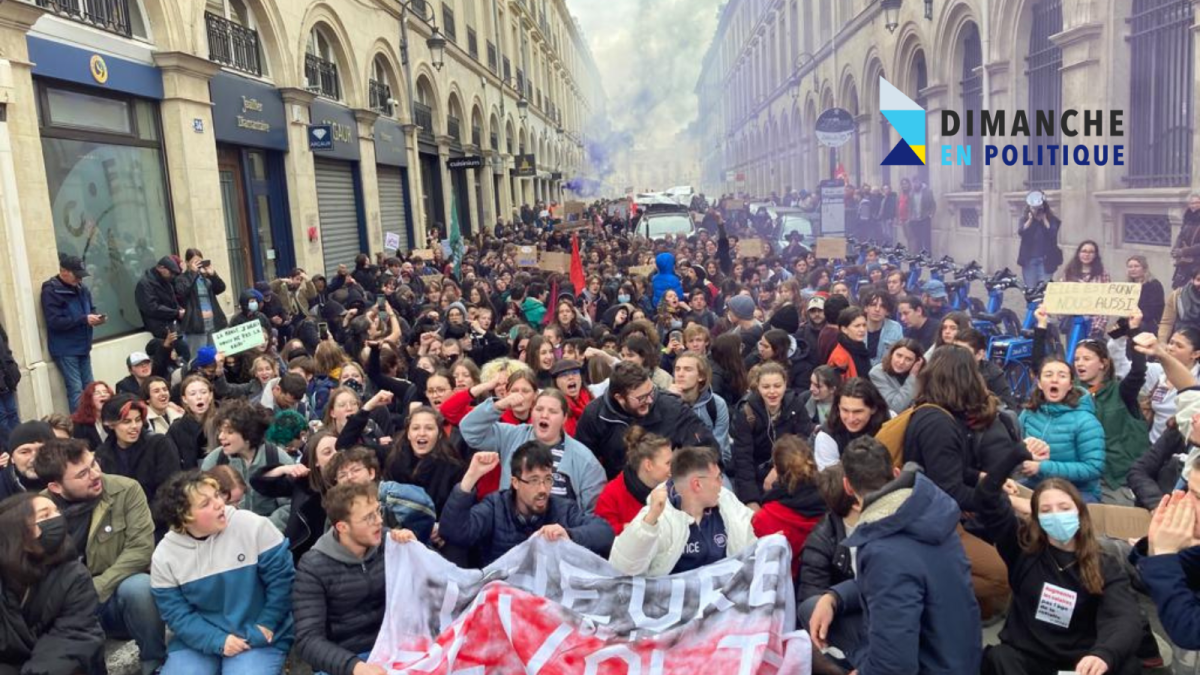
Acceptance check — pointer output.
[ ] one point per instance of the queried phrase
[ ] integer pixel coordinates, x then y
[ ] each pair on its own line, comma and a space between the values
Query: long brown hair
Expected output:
794, 463
952, 380
442, 450
903, 343
1033, 538
1038, 399
23, 561
726, 351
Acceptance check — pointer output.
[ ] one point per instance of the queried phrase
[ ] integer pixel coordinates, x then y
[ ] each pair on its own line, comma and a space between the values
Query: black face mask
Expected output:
354, 385
54, 533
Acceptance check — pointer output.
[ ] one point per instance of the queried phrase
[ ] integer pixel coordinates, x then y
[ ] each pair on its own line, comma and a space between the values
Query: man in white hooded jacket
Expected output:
689, 522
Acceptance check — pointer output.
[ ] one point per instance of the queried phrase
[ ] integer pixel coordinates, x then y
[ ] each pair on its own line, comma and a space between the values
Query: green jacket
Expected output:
1126, 436
534, 310
120, 537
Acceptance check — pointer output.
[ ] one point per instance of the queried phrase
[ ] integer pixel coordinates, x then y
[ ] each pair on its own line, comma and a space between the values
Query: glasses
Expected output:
546, 482
373, 518
350, 472
648, 397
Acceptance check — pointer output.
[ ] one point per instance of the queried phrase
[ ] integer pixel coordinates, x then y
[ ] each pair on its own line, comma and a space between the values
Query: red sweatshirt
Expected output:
616, 505
453, 410
775, 517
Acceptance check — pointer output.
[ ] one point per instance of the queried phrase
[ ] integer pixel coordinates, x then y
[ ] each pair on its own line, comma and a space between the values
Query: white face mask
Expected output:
253, 305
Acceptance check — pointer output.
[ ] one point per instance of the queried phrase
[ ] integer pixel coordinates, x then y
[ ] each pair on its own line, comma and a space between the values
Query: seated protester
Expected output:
882, 331
818, 398
130, 450
949, 326
423, 456
568, 378
851, 356
765, 415
826, 567
638, 349
780, 346
917, 325
285, 393
222, 578
1062, 432
212, 369
302, 484
109, 523
505, 519
690, 521
1157, 473
632, 399
88, 425
50, 615
1183, 346
241, 431
693, 380
359, 423
912, 573
792, 504
494, 379
577, 474
827, 338
24, 442
405, 505
233, 488
730, 381
1168, 560
161, 413
139, 366
340, 596
289, 430
189, 434
993, 374
858, 410
1092, 624
896, 376
539, 356
648, 465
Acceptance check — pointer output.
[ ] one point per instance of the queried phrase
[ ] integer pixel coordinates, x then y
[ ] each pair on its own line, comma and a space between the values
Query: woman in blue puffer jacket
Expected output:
1062, 432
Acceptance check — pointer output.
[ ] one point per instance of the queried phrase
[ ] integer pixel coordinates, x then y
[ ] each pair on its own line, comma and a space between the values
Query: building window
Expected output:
320, 67
232, 38
380, 92
1045, 86
1146, 229
123, 17
1160, 93
472, 43
108, 192
448, 23
968, 217
972, 99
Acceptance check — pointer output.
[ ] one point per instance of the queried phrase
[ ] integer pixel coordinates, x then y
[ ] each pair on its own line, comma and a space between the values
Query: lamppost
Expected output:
891, 14
523, 108
435, 42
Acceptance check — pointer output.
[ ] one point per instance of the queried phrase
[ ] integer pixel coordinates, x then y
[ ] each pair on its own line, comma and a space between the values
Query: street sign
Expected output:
526, 166
835, 127
470, 162
320, 137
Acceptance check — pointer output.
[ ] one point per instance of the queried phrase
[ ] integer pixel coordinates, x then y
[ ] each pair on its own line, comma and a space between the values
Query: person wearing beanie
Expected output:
786, 318
828, 338
739, 310
250, 308
23, 444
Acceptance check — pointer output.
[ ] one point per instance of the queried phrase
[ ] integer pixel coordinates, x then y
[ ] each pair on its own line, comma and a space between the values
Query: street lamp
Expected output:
929, 9
523, 108
891, 14
802, 60
437, 48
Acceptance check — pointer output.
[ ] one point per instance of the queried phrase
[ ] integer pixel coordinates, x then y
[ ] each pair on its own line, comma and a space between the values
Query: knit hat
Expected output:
786, 318
741, 306
30, 432
286, 427
457, 305
205, 356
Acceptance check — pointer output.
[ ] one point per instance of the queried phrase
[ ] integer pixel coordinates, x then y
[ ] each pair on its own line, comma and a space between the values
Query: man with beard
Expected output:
109, 523
503, 520
25, 440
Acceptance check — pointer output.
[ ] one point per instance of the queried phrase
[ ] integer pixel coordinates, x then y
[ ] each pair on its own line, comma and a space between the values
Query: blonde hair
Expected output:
1141, 260
501, 365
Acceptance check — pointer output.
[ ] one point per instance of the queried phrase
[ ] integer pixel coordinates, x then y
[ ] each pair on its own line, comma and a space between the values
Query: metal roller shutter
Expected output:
391, 203
339, 213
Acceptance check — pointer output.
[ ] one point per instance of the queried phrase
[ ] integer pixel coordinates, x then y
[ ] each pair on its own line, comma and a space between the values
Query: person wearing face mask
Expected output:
130, 450
768, 413
250, 308
577, 474
858, 410
23, 443
109, 526
648, 465
54, 628
1072, 606
1062, 432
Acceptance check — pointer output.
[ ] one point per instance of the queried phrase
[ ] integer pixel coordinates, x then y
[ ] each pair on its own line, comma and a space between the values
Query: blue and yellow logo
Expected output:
98, 68
909, 120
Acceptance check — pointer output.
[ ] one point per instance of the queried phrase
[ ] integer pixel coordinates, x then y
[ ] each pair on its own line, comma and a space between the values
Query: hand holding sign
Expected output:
1076, 298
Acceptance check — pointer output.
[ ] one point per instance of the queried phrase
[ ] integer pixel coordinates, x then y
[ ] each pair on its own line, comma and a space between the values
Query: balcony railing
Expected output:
109, 15
491, 56
476, 136
421, 7
233, 45
454, 129
521, 81
423, 117
495, 140
381, 95
322, 76
448, 23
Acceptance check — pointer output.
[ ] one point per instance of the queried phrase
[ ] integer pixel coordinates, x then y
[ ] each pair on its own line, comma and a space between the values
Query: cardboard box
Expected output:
751, 248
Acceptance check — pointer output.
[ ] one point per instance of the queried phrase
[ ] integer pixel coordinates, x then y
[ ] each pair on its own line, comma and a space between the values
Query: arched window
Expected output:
1045, 87
423, 109
380, 88
972, 101
320, 66
123, 17
454, 121
1160, 93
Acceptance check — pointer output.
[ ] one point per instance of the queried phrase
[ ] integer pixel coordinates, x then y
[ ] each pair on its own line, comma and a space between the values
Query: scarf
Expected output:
858, 352
575, 408
639, 490
79, 520
1188, 307
805, 501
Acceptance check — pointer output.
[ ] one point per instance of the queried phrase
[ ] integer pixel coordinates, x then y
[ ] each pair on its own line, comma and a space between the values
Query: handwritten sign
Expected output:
555, 262
751, 248
830, 248
733, 205
239, 338
642, 270
574, 208
391, 241
425, 254
527, 256
1115, 299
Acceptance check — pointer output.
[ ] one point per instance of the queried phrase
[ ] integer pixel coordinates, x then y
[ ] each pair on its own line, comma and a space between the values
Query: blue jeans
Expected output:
131, 613
76, 374
260, 661
1034, 272
10, 417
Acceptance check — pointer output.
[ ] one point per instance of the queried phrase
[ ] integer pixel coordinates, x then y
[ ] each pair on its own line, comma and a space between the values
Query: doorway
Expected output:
237, 219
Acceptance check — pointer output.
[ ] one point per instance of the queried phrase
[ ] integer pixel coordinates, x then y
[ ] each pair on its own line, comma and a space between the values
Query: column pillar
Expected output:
416, 199
443, 210
1084, 84
488, 176
506, 201
370, 178
472, 201
301, 179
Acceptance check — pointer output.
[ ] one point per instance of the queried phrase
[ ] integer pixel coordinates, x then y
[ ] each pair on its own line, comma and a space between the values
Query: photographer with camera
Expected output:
197, 288
1039, 254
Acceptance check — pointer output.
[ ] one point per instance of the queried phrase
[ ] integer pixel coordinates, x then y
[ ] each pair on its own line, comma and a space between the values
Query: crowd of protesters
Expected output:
665, 421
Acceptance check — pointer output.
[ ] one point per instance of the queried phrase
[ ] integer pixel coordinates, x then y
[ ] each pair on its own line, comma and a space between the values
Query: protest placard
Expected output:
425, 254
752, 248
391, 241
574, 208
1115, 299
642, 270
555, 262
830, 248
527, 256
239, 338
733, 205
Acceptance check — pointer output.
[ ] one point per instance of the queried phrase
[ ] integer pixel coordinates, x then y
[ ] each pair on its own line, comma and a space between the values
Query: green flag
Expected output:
456, 243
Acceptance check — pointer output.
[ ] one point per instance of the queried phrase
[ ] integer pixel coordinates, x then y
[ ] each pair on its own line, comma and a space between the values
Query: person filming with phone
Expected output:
1039, 254
197, 289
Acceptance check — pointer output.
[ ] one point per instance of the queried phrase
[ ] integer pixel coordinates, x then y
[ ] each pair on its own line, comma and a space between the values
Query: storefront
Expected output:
339, 187
251, 131
391, 170
102, 145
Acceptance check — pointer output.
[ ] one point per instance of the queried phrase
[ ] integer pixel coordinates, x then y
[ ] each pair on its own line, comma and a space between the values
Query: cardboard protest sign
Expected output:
424, 254
527, 256
574, 208
239, 338
555, 262
752, 248
642, 270
556, 608
733, 205
1074, 298
830, 248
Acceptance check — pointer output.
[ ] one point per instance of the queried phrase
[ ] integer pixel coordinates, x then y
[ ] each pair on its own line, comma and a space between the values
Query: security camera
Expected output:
393, 102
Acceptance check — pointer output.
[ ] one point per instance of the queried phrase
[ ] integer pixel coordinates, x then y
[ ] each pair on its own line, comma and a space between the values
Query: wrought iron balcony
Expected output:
322, 76
380, 94
231, 44
476, 136
454, 129
109, 15
423, 117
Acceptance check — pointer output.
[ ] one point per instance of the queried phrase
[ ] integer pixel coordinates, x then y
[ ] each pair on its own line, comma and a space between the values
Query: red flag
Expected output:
550, 311
577, 277
840, 172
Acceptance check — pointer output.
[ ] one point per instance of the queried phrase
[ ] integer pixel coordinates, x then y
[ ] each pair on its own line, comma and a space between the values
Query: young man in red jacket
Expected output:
648, 458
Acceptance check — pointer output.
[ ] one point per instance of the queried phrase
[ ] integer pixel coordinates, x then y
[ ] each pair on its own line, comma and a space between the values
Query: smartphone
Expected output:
676, 335
382, 303
323, 330
206, 263
103, 317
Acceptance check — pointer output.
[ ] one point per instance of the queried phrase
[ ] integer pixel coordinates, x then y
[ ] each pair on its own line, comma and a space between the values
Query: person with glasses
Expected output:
503, 520
690, 521
222, 578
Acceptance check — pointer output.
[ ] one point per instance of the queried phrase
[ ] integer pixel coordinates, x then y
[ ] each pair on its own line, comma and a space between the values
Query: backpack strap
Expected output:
710, 407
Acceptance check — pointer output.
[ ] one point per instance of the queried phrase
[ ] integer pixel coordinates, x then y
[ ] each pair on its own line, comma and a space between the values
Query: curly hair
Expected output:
173, 503
249, 420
